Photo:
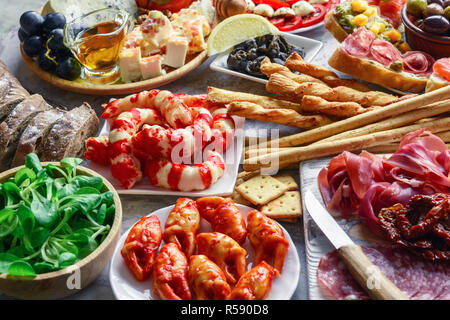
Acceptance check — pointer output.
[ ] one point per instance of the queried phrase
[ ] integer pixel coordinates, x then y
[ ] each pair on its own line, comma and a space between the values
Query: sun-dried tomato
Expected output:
423, 226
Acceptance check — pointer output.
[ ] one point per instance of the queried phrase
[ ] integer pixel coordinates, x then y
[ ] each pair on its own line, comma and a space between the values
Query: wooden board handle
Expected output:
368, 275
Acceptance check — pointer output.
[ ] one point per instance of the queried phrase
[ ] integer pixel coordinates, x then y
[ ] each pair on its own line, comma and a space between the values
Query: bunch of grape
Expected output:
43, 38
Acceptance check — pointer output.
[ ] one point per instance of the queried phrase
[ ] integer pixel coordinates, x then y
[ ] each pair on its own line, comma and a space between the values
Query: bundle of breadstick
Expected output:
313, 98
378, 131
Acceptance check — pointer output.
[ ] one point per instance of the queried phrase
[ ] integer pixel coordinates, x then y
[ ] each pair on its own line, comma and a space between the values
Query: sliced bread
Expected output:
15, 123
11, 92
35, 134
67, 135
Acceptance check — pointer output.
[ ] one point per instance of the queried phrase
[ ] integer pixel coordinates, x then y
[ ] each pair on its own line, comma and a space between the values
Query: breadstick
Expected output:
280, 84
295, 62
281, 116
394, 122
268, 68
297, 154
392, 110
217, 95
338, 109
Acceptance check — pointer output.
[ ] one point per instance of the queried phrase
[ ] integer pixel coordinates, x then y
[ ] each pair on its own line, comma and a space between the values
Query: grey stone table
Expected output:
194, 83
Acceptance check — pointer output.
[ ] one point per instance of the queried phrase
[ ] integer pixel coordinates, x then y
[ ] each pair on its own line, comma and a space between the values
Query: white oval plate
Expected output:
311, 48
126, 287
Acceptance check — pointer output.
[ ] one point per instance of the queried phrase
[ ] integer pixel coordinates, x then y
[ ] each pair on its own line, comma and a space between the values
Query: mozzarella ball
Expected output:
264, 10
303, 8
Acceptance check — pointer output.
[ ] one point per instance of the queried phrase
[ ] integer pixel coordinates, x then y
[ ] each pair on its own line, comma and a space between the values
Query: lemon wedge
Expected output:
237, 29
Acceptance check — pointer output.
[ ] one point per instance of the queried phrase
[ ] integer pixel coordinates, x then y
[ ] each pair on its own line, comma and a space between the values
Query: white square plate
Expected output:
223, 187
310, 47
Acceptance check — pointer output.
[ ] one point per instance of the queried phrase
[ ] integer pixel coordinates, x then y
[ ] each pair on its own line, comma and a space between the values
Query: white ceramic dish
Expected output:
223, 187
311, 48
126, 287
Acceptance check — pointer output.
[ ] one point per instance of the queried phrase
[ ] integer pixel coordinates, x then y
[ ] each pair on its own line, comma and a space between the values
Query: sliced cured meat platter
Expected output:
431, 279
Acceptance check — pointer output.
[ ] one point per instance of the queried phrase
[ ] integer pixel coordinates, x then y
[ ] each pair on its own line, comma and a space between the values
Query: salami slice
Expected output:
384, 52
418, 62
358, 43
417, 278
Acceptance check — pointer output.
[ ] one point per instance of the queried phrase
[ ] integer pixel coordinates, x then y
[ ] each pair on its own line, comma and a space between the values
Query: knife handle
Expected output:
368, 275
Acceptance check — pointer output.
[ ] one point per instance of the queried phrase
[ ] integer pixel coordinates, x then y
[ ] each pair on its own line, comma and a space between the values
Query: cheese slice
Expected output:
176, 50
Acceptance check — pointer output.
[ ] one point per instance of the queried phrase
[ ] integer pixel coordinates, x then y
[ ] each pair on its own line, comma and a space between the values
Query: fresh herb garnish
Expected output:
50, 217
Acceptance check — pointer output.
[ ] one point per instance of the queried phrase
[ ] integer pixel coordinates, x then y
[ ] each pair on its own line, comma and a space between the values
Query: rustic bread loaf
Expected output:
15, 123
67, 135
34, 135
11, 92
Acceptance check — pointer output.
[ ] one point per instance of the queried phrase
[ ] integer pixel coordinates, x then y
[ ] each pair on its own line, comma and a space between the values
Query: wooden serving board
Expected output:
83, 87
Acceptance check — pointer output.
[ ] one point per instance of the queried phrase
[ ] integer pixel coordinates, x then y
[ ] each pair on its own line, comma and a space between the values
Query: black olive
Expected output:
236, 61
436, 24
299, 51
252, 54
279, 61
282, 56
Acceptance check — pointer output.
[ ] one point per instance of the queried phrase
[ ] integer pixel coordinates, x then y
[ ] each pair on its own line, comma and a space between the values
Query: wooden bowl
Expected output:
62, 283
436, 46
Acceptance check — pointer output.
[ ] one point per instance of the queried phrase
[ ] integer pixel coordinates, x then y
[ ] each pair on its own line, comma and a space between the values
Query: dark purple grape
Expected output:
69, 69
46, 61
56, 39
32, 22
32, 46
52, 21
22, 35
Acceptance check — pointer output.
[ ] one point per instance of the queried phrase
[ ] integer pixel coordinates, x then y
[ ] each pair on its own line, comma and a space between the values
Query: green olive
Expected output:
433, 9
416, 7
447, 13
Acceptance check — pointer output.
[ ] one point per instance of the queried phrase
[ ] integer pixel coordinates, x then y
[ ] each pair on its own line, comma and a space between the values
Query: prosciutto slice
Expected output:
364, 184
417, 278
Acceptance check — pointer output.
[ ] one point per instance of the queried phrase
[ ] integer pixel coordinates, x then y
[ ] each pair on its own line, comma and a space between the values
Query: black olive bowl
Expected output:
435, 45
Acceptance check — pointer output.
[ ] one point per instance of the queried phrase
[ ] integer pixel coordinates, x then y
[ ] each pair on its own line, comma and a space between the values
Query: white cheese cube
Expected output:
176, 50
151, 66
130, 64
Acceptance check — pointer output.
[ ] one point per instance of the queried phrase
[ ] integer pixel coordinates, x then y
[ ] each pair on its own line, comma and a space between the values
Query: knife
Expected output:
362, 269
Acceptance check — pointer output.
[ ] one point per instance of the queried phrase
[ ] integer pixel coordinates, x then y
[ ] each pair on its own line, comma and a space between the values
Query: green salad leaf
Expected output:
51, 217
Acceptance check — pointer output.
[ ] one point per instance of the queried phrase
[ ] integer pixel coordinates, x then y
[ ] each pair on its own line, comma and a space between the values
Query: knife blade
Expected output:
369, 276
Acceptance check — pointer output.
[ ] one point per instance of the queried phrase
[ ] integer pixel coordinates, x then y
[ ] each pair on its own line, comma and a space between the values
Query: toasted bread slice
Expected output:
68, 134
333, 26
15, 123
371, 71
34, 135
